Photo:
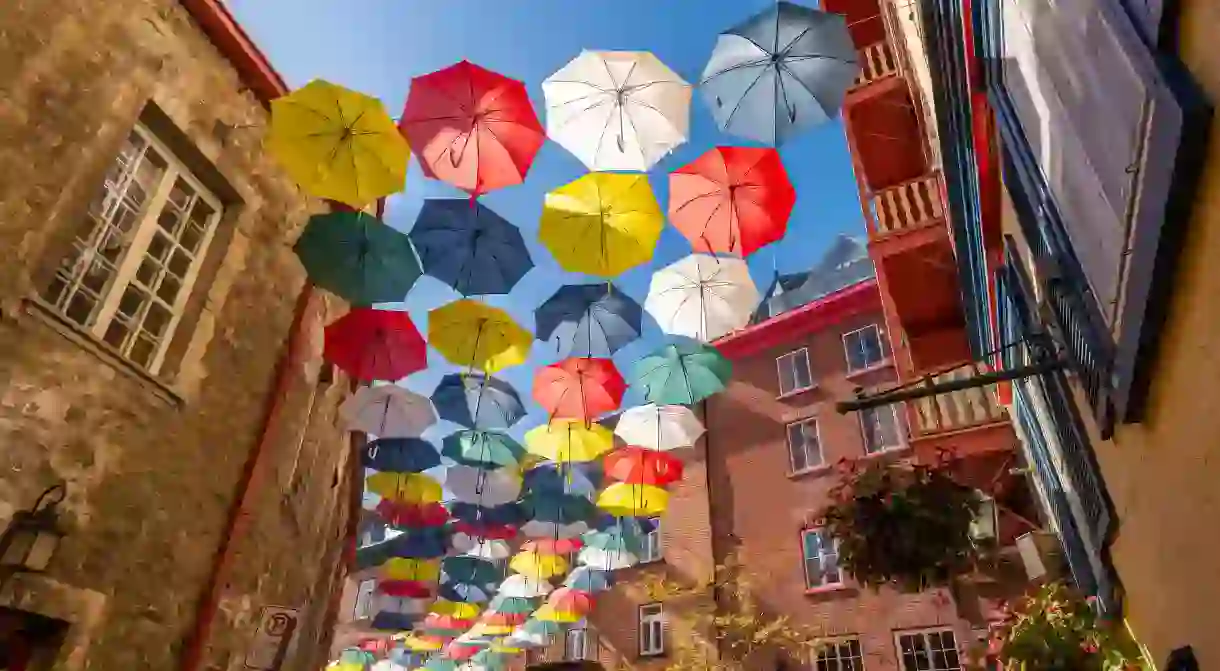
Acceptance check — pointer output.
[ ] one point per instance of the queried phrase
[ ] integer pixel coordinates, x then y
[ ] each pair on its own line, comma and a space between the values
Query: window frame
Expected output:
805, 559
923, 637
899, 430
817, 436
580, 634
780, 375
364, 598
656, 549
647, 619
884, 358
857, 662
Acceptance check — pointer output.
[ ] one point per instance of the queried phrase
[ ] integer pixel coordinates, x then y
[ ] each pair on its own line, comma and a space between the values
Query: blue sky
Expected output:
377, 46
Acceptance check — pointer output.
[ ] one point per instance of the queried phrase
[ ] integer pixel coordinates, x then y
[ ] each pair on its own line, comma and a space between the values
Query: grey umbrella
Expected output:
780, 72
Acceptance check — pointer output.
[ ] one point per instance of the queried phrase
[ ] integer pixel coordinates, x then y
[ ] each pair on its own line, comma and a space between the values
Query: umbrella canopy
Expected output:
470, 570
548, 529
702, 297
659, 427
545, 628
414, 488
626, 500
493, 617
472, 127
588, 320
401, 455
481, 547
411, 515
478, 336
525, 587
482, 449
415, 570
682, 373
457, 609
538, 565
627, 536
602, 224
569, 440
512, 605
422, 643
375, 345
643, 466
552, 478
414, 543
781, 71
460, 591
553, 546
438, 664
387, 411
617, 110
579, 388
607, 560
591, 580
436, 624
469, 247
470, 484
509, 514
338, 144
549, 613
357, 257
731, 200
477, 401
568, 600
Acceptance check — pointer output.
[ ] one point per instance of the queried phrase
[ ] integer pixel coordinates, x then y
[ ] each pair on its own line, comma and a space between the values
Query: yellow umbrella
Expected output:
455, 609
416, 570
506, 649
601, 224
473, 334
547, 613
539, 566
627, 500
484, 629
338, 144
410, 488
569, 440
418, 644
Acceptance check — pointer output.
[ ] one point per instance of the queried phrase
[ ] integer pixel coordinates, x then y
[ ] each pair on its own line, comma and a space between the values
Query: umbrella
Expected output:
338, 144
607, 560
569, 440
489, 660
627, 500
477, 401
436, 624
601, 224
568, 600
552, 478
400, 455
410, 570
483, 449
588, 319
412, 515
457, 609
627, 536
525, 587
512, 605
617, 110
544, 628
357, 257
509, 514
642, 466
538, 565
731, 200
460, 649
470, 570
415, 488
412, 543
416, 643
353, 659
492, 617
373, 345
659, 427
586, 579
438, 664
702, 297
552, 546
481, 547
578, 388
469, 247
387, 411
472, 127
477, 335
682, 373
550, 529
470, 484
460, 591
781, 71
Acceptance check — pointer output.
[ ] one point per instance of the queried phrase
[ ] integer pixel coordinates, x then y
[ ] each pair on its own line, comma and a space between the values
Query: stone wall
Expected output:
153, 464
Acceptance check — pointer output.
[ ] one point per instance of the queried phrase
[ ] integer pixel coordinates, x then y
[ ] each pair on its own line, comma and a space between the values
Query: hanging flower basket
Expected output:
907, 526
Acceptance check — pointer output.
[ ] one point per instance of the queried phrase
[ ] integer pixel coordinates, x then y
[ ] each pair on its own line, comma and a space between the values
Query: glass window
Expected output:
880, 428
841, 655
863, 348
364, 599
821, 557
804, 448
794, 374
652, 542
574, 644
928, 651
652, 630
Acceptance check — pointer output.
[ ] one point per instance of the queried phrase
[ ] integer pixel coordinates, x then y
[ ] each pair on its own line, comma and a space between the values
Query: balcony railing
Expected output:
877, 61
907, 206
957, 409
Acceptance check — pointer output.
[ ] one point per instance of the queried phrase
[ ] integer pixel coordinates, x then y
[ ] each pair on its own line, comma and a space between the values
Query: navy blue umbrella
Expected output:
477, 402
509, 514
400, 455
469, 247
780, 72
588, 320
414, 543
572, 478
558, 508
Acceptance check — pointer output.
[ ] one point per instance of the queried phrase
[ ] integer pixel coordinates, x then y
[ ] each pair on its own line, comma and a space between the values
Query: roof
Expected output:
844, 264
223, 30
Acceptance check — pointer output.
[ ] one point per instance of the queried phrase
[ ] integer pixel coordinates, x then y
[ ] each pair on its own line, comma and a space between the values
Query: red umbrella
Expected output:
412, 516
459, 651
472, 127
373, 344
579, 388
642, 466
491, 532
552, 546
498, 619
411, 589
568, 600
731, 200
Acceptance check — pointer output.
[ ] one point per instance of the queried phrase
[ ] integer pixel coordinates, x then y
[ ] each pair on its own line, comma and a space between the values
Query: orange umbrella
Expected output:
579, 388
553, 546
642, 466
568, 600
498, 619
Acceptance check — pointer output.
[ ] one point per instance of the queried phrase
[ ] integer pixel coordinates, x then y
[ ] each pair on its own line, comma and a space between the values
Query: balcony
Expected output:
957, 410
909, 206
877, 61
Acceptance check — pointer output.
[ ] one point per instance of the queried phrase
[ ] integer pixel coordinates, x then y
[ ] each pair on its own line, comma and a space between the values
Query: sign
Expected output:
276, 625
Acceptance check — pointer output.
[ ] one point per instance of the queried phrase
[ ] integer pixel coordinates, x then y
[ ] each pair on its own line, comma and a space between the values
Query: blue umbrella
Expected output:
400, 455
389, 621
470, 570
588, 320
551, 478
509, 514
467, 246
551, 506
780, 72
477, 402
465, 592
415, 543
590, 580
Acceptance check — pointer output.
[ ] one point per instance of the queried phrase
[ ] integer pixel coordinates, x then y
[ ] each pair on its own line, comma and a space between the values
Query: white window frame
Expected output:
811, 463
923, 637
651, 617
653, 550
135, 251
880, 346
783, 359
576, 644
821, 558
899, 429
857, 662
363, 606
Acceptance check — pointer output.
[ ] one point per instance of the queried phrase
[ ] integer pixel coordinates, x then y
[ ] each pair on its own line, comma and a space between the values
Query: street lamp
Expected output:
33, 535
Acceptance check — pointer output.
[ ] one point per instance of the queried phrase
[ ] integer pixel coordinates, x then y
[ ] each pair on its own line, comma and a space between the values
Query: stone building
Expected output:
159, 354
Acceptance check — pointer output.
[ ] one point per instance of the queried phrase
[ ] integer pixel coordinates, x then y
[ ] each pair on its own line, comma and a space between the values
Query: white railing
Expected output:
877, 60
957, 409
909, 205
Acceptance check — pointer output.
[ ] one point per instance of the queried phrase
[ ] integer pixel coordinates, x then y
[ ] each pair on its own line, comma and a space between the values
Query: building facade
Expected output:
159, 355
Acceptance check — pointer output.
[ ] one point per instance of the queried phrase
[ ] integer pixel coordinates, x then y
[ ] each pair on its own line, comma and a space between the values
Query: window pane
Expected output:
796, 448
813, 449
787, 377
801, 374
879, 427
863, 348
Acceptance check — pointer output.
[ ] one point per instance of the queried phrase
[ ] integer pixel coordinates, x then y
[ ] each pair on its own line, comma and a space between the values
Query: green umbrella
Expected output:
625, 537
358, 258
542, 627
489, 660
439, 664
682, 373
512, 605
482, 449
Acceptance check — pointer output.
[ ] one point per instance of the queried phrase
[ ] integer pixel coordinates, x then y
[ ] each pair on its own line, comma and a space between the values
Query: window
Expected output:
804, 448
137, 252
794, 372
841, 655
364, 599
880, 428
821, 555
652, 542
574, 644
652, 630
928, 651
863, 348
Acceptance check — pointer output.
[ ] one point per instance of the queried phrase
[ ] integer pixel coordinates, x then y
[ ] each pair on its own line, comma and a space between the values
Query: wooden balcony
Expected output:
877, 61
958, 410
908, 206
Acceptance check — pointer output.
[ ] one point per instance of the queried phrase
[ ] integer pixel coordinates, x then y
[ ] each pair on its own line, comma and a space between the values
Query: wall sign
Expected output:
276, 626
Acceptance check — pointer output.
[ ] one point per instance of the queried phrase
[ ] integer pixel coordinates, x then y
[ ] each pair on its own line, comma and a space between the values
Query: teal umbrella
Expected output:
482, 449
468, 570
627, 536
439, 664
358, 258
682, 373
547, 628
512, 605
490, 660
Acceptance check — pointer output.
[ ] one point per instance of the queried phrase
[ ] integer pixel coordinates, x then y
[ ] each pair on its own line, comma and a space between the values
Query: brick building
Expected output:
154, 355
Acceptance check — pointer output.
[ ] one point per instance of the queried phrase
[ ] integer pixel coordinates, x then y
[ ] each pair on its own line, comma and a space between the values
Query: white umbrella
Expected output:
556, 530
606, 560
482, 548
617, 110
388, 411
525, 639
483, 487
384, 603
659, 427
702, 297
524, 586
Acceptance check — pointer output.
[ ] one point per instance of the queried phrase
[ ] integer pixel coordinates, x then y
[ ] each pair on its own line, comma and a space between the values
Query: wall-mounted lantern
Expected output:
33, 535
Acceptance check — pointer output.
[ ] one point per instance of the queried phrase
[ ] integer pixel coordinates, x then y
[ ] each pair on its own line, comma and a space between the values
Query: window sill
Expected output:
902, 450
883, 364
827, 589
652, 655
50, 317
796, 392
810, 472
